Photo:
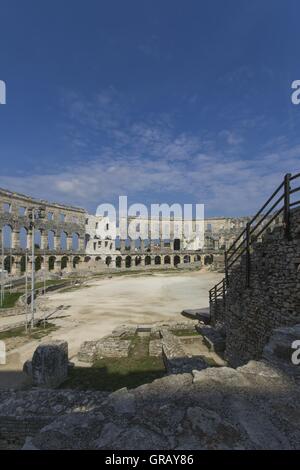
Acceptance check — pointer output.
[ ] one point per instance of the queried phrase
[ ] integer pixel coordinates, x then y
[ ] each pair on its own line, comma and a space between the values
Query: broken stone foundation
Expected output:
255, 406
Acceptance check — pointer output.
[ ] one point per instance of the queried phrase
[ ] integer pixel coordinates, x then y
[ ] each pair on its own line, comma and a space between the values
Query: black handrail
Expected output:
250, 234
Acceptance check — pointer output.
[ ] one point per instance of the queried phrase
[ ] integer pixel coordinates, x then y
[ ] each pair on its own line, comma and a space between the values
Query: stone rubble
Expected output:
255, 406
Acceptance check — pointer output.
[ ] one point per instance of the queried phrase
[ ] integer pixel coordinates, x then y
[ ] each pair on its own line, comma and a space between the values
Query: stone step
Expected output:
199, 314
212, 338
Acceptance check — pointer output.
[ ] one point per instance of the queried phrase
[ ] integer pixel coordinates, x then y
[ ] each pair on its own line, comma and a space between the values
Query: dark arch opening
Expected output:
51, 263
38, 263
108, 260
138, 260
157, 260
208, 259
176, 244
176, 260
76, 261
64, 262
8, 262
23, 264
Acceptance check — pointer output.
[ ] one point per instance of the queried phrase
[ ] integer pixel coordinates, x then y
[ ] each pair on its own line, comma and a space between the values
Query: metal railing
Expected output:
278, 204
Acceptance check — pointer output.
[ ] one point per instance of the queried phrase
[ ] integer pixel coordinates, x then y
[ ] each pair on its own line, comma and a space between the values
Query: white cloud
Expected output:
138, 158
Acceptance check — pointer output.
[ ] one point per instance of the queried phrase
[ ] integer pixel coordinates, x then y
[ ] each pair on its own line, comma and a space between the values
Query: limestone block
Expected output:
2, 353
50, 364
155, 348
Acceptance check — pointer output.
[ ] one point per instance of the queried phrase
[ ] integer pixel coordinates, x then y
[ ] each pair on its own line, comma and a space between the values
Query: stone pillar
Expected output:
122, 245
29, 240
69, 243
162, 244
44, 240
142, 245
15, 239
132, 246
16, 266
56, 242
81, 246
57, 265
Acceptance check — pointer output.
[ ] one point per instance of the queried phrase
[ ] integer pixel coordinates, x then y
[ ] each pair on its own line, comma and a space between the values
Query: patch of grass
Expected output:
37, 332
10, 299
112, 373
190, 332
49, 282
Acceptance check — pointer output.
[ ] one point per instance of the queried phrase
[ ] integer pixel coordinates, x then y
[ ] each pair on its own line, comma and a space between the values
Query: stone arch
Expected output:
208, 259
176, 260
51, 235
147, 245
76, 261
38, 262
176, 244
197, 258
86, 239
147, 260
186, 259
128, 261
167, 259
118, 243
98, 258
118, 261
108, 260
37, 238
157, 260
75, 241
138, 260
87, 259
8, 263
64, 262
63, 240
7, 235
23, 238
51, 263
23, 264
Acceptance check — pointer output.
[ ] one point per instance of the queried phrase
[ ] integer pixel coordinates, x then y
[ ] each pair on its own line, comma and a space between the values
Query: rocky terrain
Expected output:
255, 406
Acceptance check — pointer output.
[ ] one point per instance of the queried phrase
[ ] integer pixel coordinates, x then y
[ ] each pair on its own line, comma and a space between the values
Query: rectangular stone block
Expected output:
50, 364
2, 353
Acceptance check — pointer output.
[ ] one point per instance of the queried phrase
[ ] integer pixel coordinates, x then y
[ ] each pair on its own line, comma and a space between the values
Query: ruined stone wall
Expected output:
59, 221
273, 298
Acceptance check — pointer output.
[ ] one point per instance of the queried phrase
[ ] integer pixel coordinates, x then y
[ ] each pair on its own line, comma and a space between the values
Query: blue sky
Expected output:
163, 101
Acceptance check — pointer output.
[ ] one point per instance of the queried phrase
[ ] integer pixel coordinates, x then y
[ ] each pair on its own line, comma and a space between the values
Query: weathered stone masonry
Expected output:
271, 301
60, 221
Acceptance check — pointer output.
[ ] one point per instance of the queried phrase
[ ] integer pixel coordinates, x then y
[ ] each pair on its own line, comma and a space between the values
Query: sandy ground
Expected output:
92, 312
